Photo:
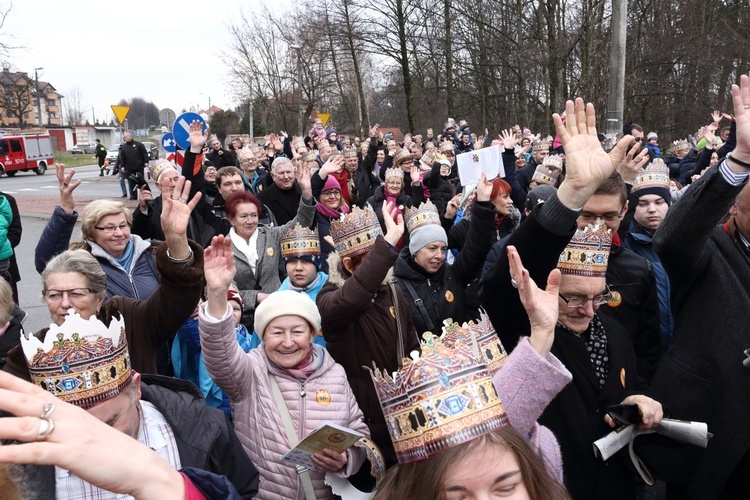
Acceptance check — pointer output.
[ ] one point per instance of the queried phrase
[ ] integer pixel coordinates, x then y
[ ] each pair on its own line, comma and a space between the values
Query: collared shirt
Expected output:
153, 431
734, 179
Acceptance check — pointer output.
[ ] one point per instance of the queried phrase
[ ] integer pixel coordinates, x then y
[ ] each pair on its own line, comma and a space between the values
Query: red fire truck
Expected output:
24, 152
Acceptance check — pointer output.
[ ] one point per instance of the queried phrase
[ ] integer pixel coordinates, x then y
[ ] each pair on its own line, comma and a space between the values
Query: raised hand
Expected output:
484, 188
218, 264
741, 100
67, 186
508, 139
588, 166
541, 305
394, 223
633, 162
197, 136
144, 197
334, 164
303, 175
709, 135
452, 208
175, 216
374, 130
414, 174
716, 116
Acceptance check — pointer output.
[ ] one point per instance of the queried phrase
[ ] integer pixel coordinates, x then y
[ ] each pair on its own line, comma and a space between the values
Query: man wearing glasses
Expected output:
593, 347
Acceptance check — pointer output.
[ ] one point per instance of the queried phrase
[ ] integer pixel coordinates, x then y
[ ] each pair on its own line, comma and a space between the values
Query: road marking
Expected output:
28, 189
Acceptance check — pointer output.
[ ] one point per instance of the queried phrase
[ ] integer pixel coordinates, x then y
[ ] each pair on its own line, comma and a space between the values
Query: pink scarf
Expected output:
304, 368
330, 212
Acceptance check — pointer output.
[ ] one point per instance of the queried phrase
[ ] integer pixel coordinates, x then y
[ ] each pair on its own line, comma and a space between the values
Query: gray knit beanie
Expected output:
423, 236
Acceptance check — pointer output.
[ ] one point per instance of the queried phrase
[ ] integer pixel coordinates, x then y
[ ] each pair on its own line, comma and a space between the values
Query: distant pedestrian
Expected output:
101, 155
131, 160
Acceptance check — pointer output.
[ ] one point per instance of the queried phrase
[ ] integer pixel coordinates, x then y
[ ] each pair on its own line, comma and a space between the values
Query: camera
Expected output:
138, 180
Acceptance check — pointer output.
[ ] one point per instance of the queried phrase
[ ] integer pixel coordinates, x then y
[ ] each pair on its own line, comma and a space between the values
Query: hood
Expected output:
337, 275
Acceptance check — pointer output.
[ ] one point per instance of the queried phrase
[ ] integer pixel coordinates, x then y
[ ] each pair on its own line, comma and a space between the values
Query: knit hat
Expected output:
423, 236
654, 179
540, 194
331, 183
234, 294
286, 303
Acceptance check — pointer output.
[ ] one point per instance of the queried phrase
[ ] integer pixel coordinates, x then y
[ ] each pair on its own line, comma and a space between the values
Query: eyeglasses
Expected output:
112, 229
607, 217
74, 294
247, 160
331, 193
576, 302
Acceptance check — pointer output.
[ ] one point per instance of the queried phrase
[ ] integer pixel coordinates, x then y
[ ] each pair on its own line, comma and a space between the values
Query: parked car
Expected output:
152, 149
80, 149
112, 153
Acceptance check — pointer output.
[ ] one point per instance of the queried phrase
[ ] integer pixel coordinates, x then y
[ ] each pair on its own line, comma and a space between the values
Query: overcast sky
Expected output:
166, 51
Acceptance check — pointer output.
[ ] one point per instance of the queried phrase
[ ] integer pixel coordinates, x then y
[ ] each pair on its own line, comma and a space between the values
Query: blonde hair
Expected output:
6, 302
96, 210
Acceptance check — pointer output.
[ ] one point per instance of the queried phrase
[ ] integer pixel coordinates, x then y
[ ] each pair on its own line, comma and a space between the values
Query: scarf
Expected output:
127, 256
309, 364
248, 248
595, 339
330, 213
4, 328
644, 230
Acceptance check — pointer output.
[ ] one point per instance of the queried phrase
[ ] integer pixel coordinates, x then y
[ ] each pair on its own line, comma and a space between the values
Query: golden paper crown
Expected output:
310, 156
447, 147
427, 213
680, 144
541, 146
394, 172
161, 166
355, 232
546, 174
255, 150
655, 175
587, 254
402, 156
443, 397
428, 158
350, 153
82, 362
299, 143
299, 241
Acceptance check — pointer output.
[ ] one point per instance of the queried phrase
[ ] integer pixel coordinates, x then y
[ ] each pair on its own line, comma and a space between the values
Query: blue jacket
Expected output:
641, 244
138, 282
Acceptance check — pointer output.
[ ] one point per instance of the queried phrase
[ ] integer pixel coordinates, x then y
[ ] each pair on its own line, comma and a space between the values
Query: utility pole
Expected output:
616, 98
38, 100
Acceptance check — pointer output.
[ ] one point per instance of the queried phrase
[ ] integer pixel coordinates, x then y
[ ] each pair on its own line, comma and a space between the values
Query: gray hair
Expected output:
82, 262
279, 161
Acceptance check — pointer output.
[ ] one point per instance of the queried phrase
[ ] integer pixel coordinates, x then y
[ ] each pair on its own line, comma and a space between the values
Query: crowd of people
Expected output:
477, 337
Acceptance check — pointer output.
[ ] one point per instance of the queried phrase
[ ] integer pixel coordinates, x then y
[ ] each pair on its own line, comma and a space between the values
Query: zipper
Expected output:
301, 427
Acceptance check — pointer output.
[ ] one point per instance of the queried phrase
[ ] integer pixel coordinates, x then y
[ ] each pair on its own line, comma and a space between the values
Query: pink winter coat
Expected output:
526, 384
257, 421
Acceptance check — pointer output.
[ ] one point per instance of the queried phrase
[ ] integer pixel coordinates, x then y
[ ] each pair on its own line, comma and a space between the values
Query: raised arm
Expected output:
56, 235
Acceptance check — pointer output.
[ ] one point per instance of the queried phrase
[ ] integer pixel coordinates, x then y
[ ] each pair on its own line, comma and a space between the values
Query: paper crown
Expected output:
82, 362
447, 147
427, 213
350, 153
549, 171
355, 233
541, 146
428, 158
394, 172
160, 167
299, 242
680, 144
402, 156
299, 143
256, 150
309, 157
445, 396
587, 254
655, 175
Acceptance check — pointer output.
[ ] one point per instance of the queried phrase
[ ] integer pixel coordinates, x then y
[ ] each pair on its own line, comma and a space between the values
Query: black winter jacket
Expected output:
205, 439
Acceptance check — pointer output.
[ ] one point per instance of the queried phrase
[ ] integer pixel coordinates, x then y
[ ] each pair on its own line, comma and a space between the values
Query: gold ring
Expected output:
46, 426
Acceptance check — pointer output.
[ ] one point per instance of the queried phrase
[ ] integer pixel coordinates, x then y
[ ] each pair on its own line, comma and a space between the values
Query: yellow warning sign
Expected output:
120, 112
324, 117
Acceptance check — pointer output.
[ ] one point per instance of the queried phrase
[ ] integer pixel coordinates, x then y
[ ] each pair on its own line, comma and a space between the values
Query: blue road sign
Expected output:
181, 128
168, 143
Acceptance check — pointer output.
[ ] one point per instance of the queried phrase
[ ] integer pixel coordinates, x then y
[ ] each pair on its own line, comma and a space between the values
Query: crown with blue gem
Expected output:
445, 396
355, 233
587, 254
82, 362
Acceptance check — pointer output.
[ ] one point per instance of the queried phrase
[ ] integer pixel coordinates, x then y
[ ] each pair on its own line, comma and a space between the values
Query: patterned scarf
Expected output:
595, 339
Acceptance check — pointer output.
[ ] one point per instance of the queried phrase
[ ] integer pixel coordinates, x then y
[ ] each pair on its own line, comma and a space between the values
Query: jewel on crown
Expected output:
298, 241
445, 396
587, 254
427, 213
394, 172
656, 174
355, 233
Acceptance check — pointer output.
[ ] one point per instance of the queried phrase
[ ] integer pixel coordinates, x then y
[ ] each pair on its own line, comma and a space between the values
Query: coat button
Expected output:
302, 393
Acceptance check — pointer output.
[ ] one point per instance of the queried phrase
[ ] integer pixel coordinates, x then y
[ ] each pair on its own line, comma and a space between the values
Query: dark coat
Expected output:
148, 225
403, 201
442, 293
210, 218
284, 208
132, 157
222, 158
575, 415
633, 278
204, 437
702, 376
441, 189
12, 336
148, 323
360, 329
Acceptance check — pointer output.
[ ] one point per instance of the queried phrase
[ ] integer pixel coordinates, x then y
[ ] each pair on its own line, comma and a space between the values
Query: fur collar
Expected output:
337, 275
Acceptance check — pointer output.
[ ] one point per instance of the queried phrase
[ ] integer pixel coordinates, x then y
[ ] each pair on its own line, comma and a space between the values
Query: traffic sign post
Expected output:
121, 112
176, 157
168, 143
181, 129
166, 115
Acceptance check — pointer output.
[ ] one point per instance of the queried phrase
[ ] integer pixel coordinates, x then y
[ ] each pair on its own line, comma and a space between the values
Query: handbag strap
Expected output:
420, 305
291, 434
400, 346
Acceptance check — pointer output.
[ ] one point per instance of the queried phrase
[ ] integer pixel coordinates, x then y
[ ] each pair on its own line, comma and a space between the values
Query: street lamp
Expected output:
38, 100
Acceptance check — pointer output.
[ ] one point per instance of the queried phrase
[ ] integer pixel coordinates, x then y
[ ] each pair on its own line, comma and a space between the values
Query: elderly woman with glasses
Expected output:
76, 280
127, 260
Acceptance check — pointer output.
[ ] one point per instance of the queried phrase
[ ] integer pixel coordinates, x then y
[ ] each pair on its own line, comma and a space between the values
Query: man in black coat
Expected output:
594, 348
703, 376
219, 156
133, 159
283, 196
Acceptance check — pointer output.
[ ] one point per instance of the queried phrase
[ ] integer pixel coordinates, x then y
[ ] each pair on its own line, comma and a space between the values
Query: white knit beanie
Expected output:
286, 303
423, 236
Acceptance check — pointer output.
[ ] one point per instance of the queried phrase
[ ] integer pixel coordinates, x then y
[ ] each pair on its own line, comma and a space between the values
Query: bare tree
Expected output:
15, 97
73, 107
